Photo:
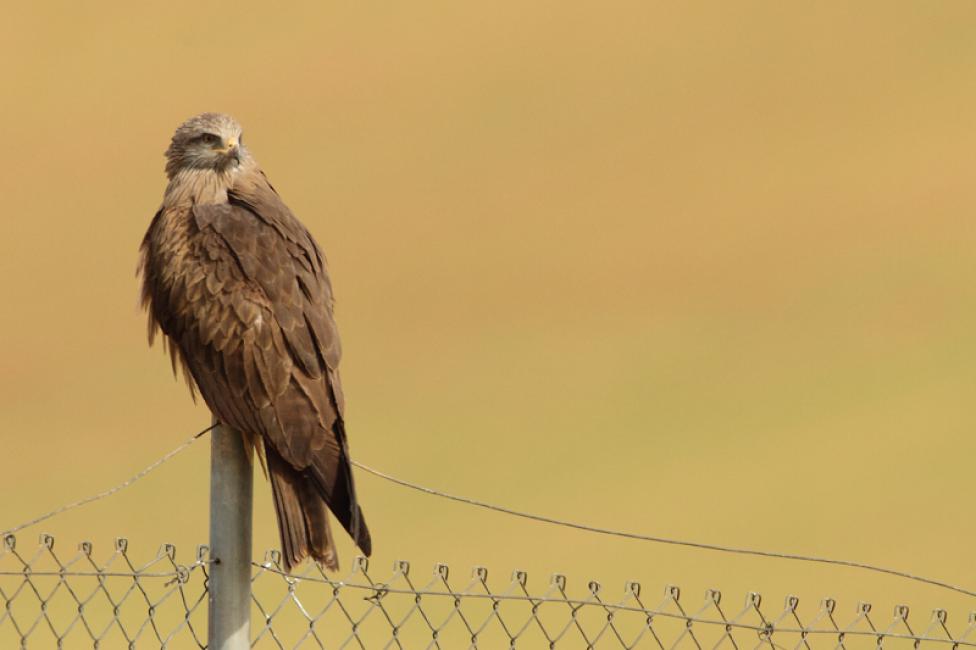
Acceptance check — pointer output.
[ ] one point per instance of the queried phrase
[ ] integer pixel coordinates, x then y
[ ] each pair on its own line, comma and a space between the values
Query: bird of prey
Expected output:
241, 292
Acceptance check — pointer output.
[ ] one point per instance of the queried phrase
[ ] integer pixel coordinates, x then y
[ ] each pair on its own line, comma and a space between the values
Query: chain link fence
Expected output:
55, 599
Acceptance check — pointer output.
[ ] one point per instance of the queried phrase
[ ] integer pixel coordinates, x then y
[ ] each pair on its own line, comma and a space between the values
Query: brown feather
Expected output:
242, 293
303, 523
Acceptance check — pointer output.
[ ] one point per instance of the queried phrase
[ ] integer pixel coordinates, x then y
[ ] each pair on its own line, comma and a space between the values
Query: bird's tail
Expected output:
303, 518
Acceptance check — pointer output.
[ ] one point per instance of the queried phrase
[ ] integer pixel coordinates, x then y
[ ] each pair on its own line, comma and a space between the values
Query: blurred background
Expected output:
696, 270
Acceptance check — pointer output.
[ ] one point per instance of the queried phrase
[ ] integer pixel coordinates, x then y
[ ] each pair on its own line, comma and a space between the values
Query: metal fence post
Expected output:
231, 480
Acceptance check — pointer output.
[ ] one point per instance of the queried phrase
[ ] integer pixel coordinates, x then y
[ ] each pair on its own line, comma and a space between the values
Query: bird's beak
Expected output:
232, 148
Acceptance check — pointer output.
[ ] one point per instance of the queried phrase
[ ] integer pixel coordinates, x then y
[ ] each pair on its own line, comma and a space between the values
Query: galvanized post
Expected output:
231, 480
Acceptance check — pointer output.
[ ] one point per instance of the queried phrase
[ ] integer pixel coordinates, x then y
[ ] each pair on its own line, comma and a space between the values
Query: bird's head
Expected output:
208, 141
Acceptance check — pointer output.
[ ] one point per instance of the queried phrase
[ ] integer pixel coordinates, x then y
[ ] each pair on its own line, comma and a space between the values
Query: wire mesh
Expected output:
55, 600
52, 600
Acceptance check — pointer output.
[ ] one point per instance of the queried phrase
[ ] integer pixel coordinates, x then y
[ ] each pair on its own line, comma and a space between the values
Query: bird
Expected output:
241, 293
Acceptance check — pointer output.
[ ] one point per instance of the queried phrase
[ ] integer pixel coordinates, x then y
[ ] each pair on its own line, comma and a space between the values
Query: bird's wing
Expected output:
253, 321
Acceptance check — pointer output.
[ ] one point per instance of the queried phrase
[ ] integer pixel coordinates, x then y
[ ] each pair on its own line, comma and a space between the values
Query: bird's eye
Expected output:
209, 139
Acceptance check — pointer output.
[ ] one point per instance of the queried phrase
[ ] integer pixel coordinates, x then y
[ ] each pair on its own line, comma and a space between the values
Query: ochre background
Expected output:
697, 270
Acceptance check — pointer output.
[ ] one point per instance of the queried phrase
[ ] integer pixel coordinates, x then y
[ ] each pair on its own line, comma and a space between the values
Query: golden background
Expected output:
697, 270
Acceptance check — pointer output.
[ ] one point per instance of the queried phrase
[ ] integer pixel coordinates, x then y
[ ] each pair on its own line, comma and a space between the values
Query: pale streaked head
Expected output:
207, 141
